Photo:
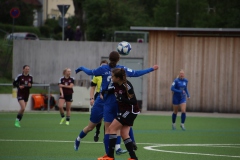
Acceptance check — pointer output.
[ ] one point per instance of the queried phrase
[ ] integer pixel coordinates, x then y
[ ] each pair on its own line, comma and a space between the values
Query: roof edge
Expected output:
140, 28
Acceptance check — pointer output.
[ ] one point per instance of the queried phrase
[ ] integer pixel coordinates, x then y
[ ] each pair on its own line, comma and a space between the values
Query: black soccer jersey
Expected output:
66, 82
22, 80
125, 103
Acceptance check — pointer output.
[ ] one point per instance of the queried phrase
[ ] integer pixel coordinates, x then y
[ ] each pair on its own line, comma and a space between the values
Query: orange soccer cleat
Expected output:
105, 157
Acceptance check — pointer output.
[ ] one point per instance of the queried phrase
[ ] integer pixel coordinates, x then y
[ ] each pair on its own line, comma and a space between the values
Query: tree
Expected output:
26, 12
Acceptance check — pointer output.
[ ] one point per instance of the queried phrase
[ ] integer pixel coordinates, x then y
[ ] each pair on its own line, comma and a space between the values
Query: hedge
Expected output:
8, 28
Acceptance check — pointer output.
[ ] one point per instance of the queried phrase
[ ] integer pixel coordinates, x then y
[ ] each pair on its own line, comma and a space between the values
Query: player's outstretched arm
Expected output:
85, 70
138, 73
96, 72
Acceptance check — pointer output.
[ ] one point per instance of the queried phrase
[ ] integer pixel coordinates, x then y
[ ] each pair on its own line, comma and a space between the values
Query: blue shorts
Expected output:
97, 111
110, 108
178, 100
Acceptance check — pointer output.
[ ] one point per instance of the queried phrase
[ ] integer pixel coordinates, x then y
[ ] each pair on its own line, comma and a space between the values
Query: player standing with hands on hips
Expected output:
180, 96
23, 82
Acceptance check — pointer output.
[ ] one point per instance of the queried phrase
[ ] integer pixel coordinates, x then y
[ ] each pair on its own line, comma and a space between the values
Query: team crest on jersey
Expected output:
120, 91
130, 70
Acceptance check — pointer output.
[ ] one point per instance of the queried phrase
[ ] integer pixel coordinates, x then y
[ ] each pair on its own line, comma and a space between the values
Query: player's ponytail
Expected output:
114, 58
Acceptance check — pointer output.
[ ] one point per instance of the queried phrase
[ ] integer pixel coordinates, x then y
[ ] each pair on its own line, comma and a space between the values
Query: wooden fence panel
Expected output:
211, 64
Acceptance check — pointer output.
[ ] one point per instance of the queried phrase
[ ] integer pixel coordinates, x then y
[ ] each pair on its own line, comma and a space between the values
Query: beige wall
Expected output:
50, 8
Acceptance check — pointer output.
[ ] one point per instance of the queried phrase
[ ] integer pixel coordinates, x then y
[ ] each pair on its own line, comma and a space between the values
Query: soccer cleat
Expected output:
120, 151
62, 120
96, 138
17, 124
105, 157
182, 126
76, 145
173, 127
131, 159
67, 123
134, 146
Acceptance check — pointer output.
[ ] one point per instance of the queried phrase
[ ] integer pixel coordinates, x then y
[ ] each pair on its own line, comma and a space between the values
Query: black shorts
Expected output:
68, 98
25, 98
126, 118
96, 95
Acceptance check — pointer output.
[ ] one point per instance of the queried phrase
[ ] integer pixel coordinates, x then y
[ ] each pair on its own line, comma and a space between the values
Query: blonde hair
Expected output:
65, 70
181, 70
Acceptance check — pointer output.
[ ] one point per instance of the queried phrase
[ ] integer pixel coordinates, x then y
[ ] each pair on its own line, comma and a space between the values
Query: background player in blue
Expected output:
110, 103
180, 93
127, 112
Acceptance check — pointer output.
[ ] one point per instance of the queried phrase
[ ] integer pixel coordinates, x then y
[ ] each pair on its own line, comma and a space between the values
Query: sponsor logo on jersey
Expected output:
130, 70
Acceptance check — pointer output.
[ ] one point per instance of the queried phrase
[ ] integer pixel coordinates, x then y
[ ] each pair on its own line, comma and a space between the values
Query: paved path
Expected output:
194, 114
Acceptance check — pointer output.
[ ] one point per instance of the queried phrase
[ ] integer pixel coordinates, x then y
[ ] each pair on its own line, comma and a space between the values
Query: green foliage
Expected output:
106, 16
45, 31
53, 25
5, 59
8, 28
103, 17
26, 12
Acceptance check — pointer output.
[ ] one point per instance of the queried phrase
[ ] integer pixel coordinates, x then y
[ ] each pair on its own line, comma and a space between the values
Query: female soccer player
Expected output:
65, 84
110, 103
95, 118
23, 82
127, 112
180, 92
96, 85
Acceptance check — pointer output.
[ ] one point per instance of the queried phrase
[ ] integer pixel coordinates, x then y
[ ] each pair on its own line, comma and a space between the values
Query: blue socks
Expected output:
183, 117
174, 116
82, 135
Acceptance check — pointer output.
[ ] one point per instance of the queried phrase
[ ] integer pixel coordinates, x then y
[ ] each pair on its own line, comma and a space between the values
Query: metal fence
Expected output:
36, 85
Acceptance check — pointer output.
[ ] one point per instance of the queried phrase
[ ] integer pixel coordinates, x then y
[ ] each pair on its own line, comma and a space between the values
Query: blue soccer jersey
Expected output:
180, 91
110, 103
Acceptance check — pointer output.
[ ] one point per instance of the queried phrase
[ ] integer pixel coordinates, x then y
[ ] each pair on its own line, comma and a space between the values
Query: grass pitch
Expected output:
42, 138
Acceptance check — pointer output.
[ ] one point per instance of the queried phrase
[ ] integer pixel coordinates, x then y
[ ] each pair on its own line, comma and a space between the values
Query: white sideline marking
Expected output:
153, 145
196, 145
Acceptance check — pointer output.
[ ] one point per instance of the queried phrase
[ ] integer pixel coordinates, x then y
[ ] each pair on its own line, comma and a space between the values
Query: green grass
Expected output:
41, 137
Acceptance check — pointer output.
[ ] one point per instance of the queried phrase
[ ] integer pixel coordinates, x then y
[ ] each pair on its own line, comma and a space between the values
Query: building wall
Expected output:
50, 9
47, 59
211, 64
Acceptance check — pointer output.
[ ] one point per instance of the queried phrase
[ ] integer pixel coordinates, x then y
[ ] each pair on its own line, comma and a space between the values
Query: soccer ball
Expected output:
124, 48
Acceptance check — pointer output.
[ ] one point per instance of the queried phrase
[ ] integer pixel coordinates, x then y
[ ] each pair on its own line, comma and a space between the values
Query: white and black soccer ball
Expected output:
124, 48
